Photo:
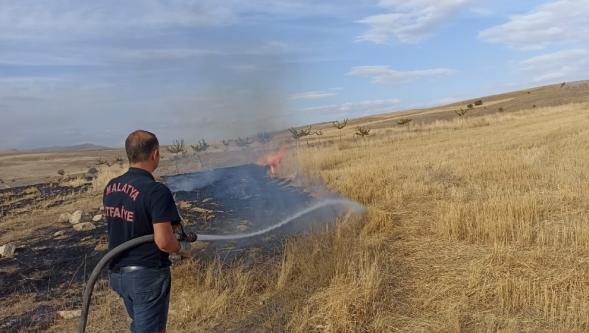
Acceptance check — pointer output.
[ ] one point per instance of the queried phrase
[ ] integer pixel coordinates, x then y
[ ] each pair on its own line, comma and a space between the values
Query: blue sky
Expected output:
76, 71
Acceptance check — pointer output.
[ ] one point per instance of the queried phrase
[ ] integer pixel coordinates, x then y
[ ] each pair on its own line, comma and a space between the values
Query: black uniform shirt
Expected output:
132, 203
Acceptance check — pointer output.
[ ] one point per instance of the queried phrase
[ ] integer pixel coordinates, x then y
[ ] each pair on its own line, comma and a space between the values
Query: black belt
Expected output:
127, 269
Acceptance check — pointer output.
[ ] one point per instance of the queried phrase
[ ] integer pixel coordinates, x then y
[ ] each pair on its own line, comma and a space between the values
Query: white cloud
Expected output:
163, 54
29, 87
244, 67
385, 74
356, 109
44, 59
67, 18
409, 20
317, 94
63, 19
557, 22
271, 48
558, 66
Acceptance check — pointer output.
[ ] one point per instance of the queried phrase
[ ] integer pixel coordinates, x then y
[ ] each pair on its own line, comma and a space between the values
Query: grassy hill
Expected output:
538, 97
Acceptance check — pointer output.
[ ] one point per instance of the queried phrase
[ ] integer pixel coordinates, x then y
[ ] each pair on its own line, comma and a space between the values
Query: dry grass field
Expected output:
472, 225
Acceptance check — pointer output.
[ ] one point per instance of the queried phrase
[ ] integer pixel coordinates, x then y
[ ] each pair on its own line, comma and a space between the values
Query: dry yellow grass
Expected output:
477, 225
105, 174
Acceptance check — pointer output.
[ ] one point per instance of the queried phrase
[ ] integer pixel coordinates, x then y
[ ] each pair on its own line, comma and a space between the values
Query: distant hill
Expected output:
525, 99
80, 147
8, 151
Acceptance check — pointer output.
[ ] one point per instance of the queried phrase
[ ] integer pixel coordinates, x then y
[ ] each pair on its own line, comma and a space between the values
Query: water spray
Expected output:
321, 204
192, 237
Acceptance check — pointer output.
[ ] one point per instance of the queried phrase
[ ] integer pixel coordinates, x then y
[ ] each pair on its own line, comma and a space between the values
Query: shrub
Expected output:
243, 143
226, 143
404, 121
362, 131
462, 112
200, 146
177, 147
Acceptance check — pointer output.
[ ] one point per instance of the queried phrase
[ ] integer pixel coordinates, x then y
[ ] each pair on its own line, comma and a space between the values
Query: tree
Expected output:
177, 148
404, 121
303, 132
340, 126
226, 143
299, 133
199, 147
362, 131
462, 112
264, 137
243, 143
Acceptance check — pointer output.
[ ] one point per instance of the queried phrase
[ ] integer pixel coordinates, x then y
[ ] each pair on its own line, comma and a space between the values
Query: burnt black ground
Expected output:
16, 199
49, 269
245, 199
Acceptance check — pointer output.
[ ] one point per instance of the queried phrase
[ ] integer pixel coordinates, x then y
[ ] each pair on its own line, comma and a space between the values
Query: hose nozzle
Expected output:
189, 237
185, 237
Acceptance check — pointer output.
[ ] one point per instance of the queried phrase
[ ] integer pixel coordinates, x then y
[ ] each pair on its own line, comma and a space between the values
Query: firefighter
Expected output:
135, 204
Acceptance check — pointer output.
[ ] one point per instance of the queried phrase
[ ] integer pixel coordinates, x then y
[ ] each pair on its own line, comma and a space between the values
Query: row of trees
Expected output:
298, 134
179, 148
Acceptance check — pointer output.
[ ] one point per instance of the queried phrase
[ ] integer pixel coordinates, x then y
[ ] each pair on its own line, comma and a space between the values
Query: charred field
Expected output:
51, 264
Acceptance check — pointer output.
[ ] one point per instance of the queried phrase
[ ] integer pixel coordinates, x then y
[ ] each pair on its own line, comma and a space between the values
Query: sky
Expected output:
74, 71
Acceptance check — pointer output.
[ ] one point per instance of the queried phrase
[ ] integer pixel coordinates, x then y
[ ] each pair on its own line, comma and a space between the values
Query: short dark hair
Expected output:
139, 145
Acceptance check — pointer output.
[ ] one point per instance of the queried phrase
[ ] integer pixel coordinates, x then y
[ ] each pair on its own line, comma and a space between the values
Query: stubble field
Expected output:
473, 225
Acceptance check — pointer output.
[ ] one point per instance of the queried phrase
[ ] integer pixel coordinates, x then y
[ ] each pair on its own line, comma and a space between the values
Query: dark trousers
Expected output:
146, 294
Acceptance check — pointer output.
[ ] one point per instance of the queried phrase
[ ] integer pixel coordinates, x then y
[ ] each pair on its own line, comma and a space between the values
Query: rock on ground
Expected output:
65, 217
97, 218
84, 226
7, 250
70, 314
59, 233
76, 217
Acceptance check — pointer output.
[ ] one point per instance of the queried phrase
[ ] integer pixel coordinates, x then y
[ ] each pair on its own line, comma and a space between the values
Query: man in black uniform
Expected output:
136, 205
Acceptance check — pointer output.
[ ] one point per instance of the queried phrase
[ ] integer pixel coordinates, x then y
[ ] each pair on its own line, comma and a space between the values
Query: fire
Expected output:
272, 161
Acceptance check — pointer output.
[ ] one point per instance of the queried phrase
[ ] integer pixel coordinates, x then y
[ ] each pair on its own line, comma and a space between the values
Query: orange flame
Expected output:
272, 161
